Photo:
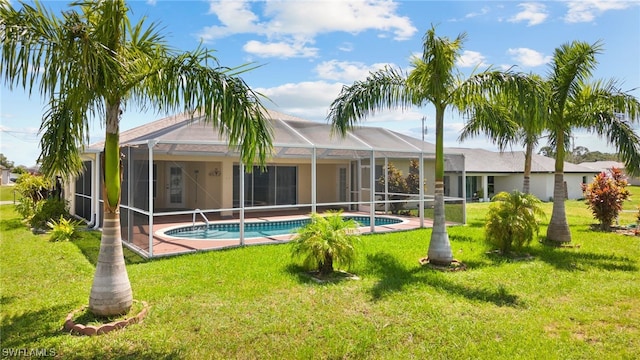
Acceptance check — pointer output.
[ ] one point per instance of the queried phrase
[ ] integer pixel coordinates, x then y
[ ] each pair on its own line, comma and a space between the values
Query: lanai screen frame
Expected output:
358, 150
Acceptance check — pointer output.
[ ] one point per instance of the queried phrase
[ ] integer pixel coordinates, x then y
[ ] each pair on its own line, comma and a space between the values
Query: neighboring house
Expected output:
7, 177
601, 166
179, 164
489, 173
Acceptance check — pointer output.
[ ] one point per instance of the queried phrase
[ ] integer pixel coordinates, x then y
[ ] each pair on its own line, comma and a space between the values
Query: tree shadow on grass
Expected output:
11, 224
33, 329
18, 331
126, 353
577, 260
394, 277
304, 276
89, 244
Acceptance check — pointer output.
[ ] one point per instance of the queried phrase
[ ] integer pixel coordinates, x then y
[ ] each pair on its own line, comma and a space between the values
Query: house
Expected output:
605, 166
181, 166
488, 173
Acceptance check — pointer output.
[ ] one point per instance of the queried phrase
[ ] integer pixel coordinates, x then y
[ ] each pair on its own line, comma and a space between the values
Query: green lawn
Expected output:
7, 193
249, 303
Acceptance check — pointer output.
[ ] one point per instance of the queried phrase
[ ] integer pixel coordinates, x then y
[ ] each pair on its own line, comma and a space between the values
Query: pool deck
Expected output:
168, 246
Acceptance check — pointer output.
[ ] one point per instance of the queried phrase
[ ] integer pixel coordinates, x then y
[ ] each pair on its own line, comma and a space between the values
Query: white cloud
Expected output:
471, 59
346, 47
282, 21
587, 10
152, 2
309, 100
281, 49
529, 57
236, 17
312, 99
346, 71
533, 13
471, 15
314, 17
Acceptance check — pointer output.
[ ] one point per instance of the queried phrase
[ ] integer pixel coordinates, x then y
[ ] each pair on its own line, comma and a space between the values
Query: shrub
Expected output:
605, 195
33, 190
33, 186
50, 209
398, 184
27, 207
63, 229
512, 220
326, 240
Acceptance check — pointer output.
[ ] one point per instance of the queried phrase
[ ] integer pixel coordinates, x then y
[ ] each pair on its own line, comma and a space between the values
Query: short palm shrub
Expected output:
512, 220
63, 229
605, 196
325, 241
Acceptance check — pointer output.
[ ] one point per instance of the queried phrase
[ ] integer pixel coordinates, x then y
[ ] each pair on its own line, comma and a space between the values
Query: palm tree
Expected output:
90, 63
326, 240
507, 121
512, 220
431, 80
600, 107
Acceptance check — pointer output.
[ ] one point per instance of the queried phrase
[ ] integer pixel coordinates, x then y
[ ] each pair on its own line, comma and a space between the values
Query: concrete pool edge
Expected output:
162, 233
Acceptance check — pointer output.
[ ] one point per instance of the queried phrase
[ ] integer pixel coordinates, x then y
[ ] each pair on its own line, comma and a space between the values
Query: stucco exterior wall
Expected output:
541, 185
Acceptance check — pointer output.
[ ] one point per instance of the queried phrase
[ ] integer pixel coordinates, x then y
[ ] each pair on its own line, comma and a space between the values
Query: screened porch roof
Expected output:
293, 137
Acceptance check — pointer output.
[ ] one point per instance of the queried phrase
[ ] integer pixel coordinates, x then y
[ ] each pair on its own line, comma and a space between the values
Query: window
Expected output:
490, 186
447, 186
275, 185
379, 174
83, 192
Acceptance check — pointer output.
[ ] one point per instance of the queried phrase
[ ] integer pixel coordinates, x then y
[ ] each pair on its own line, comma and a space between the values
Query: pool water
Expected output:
260, 229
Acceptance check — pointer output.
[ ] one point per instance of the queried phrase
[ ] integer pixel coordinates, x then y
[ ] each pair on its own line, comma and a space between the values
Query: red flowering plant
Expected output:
605, 196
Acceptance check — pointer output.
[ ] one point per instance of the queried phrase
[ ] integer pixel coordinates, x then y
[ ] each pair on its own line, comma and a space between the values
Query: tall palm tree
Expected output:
599, 107
507, 121
431, 80
90, 63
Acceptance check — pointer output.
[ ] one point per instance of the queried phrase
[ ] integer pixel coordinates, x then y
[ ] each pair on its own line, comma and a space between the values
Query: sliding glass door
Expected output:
275, 185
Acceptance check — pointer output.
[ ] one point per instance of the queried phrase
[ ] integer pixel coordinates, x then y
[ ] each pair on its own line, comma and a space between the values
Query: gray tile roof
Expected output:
293, 136
485, 161
184, 133
602, 165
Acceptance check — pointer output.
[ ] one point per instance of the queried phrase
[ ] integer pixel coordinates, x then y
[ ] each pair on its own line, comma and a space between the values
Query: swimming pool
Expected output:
226, 231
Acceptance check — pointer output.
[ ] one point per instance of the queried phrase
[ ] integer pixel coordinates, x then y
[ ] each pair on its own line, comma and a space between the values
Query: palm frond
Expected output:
573, 63
63, 131
383, 89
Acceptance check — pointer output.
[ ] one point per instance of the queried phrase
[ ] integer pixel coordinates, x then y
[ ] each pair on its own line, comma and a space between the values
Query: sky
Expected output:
306, 51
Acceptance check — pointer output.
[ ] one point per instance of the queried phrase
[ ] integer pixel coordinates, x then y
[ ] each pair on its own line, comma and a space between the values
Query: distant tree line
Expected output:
7, 164
580, 154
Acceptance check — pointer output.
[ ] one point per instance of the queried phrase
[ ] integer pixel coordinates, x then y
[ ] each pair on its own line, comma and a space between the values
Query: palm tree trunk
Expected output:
558, 230
527, 167
326, 267
439, 247
111, 290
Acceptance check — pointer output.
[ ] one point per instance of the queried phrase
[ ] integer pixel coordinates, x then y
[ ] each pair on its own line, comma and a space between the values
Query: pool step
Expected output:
215, 234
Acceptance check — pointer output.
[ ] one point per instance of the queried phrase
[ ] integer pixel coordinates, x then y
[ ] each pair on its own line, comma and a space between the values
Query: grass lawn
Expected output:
248, 303
7, 193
